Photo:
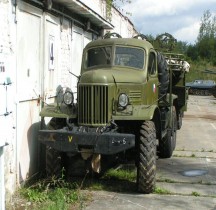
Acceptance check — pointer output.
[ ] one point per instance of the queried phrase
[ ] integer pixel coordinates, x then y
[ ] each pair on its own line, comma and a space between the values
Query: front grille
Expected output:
93, 105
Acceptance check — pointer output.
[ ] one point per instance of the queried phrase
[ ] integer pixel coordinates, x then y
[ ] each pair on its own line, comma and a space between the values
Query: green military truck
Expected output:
130, 102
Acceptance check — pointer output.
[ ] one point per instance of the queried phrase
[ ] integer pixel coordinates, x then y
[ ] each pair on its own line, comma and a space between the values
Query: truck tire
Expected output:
175, 127
163, 75
54, 163
146, 165
179, 122
214, 92
168, 143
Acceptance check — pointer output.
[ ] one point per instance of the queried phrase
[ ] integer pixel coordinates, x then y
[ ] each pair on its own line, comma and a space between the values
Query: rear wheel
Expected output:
214, 92
179, 121
146, 167
168, 143
163, 75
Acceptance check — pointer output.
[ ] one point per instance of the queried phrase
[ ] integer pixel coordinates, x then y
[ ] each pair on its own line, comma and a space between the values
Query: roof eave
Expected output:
84, 11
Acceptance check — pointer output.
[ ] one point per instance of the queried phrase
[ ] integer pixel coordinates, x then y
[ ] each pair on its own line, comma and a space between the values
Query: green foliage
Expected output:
121, 174
117, 4
205, 48
161, 191
53, 194
195, 194
197, 68
192, 52
202, 55
181, 47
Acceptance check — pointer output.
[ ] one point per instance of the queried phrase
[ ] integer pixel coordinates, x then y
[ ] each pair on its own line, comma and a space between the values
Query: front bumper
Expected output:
107, 143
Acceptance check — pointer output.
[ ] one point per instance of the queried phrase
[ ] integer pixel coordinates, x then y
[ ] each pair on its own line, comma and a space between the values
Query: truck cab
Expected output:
119, 78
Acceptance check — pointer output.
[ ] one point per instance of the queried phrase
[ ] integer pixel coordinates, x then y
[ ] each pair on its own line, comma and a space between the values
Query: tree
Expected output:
181, 47
192, 52
206, 40
205, 26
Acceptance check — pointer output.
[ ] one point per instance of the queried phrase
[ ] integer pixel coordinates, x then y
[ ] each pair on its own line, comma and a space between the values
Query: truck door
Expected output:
152, 85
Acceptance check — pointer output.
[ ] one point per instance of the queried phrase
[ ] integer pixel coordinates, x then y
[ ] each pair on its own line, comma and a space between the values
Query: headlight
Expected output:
68, 98
123, 100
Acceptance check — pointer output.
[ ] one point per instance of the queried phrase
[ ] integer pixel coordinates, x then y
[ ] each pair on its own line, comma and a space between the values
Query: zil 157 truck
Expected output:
130, 102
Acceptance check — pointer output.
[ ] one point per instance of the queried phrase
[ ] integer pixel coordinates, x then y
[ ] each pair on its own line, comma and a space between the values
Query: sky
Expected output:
181, 18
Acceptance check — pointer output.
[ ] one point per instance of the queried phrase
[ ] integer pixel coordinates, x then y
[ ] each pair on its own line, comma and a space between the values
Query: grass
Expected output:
195, 194
121, 174
117, 180
166, 180
196, 71
50, 194
56, 193
161, 191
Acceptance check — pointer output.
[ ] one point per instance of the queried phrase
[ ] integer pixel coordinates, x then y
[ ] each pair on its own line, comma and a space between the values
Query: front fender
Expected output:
139, 112
61, 111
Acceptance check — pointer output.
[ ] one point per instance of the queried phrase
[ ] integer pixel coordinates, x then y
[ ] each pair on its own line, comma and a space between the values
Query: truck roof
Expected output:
121, 41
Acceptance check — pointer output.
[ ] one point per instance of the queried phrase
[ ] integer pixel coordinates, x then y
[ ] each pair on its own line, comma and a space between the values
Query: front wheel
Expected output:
53, 162
146, 167
54, 159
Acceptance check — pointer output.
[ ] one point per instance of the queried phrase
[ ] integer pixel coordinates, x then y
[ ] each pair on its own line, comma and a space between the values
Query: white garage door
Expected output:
29, 68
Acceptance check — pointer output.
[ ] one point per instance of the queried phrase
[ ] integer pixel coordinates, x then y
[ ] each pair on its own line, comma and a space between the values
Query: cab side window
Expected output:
152, 64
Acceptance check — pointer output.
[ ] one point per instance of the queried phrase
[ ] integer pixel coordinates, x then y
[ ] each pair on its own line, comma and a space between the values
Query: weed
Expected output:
122, 174
53, 193
34, 195
166, 180
175, 155
161, 191
193, 155
195, 194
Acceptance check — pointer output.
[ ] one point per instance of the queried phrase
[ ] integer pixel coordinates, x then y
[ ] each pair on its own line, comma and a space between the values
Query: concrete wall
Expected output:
99, 6
122, 25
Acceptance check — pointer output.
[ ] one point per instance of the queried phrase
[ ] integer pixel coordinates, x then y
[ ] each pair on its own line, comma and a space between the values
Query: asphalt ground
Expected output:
188, 178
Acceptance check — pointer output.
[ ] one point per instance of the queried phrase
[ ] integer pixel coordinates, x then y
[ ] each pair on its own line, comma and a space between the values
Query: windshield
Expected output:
124, 57
98, 56
132, 57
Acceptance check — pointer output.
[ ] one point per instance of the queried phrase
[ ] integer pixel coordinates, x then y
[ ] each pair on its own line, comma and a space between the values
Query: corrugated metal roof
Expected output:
83, 10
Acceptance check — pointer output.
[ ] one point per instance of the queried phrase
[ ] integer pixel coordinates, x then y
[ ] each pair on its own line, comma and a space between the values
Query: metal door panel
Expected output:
29, 68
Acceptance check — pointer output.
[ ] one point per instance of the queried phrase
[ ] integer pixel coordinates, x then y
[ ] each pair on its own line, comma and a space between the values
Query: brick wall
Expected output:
65, 64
